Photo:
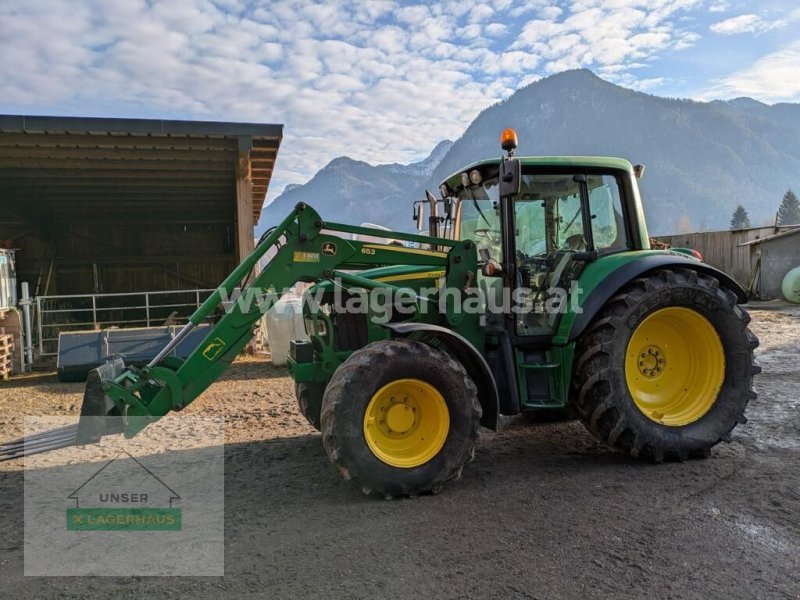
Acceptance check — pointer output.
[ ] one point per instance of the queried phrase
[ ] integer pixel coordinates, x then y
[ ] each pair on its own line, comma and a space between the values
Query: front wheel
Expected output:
400, 418
309, 401
666, 369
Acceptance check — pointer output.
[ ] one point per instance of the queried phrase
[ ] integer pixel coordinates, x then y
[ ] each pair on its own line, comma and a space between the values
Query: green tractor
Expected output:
535, 290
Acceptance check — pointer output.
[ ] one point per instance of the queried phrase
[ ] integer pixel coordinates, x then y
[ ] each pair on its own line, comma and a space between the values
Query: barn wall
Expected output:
126, 257
778, 257
722, 249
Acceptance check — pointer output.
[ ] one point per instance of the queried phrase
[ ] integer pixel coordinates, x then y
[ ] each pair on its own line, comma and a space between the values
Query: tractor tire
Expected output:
309, 401
665, 370
400, 418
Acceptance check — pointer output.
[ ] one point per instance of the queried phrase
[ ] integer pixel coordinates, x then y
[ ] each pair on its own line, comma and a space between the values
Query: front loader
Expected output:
536, 289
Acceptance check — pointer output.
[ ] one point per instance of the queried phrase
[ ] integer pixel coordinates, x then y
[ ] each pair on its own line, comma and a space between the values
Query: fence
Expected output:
99, 311
722, 249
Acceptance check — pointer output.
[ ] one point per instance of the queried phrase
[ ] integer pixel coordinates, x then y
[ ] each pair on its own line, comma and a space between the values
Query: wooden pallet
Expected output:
6, 355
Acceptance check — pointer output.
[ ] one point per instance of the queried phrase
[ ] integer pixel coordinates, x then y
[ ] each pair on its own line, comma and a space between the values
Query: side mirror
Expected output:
420, 215
510, 177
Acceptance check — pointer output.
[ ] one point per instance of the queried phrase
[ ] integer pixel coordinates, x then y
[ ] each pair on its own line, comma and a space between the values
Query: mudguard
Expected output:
467, 354
620, 277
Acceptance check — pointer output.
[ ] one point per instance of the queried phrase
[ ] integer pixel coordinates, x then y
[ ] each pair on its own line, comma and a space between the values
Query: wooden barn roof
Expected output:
133, 169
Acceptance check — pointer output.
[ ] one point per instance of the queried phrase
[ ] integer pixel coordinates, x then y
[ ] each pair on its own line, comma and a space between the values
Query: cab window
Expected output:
605, 206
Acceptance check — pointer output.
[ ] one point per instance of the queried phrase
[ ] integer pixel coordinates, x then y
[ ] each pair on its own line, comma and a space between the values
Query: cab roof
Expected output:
592, 162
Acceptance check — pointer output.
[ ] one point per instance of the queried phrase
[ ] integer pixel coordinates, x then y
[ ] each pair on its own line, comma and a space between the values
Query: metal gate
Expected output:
83, 312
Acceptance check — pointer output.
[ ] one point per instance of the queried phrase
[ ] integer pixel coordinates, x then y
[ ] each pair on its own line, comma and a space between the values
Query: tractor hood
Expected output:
408, 276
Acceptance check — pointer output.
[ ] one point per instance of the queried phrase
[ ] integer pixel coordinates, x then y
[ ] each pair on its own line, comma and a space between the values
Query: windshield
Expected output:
480, 217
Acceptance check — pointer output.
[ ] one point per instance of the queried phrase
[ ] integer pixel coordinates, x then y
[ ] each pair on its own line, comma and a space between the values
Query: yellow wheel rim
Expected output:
675, 366
406, 423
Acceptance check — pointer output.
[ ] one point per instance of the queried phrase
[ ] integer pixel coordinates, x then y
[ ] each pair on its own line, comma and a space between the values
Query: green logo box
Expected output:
124, 519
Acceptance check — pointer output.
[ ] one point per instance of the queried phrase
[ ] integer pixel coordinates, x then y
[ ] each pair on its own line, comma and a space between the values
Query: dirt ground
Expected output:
542, 512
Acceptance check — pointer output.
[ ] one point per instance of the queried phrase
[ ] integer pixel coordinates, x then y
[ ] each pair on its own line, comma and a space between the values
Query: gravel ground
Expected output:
542, 512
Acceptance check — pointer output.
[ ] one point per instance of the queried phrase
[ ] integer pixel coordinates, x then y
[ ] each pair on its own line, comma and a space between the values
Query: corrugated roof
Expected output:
71, 167
772, 237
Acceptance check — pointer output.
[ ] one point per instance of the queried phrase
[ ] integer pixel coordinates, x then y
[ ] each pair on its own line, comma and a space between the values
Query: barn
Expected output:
127, 222
774, 256
757, 257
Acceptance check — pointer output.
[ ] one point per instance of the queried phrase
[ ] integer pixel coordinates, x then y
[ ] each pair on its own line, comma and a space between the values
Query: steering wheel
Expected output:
531, 265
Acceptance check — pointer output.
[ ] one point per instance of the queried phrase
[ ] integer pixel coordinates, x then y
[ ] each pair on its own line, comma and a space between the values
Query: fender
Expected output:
467, 354
619, 278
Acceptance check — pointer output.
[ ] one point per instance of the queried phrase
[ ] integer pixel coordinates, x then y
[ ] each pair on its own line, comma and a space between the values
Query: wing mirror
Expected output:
510, 177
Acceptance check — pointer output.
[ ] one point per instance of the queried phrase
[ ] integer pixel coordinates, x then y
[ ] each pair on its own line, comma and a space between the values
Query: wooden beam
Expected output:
164, 154
139, 259
117, 141
34, 184
111, 164
168, 174
103, 196
244, 204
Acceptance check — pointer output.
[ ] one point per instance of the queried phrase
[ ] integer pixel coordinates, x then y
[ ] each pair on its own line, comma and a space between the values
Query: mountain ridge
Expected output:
702, 158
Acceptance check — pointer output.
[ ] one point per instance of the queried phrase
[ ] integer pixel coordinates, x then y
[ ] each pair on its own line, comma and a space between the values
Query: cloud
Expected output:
748, 23
408, 73
718, 7
772, 78
605, 34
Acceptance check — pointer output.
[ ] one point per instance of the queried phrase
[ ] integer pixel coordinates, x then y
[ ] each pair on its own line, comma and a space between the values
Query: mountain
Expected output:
702, 158
351, 191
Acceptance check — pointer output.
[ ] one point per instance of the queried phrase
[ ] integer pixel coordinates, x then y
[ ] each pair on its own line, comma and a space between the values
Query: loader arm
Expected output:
308, 250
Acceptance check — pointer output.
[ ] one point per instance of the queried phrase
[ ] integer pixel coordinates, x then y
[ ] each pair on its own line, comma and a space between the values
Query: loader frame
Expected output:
307, 251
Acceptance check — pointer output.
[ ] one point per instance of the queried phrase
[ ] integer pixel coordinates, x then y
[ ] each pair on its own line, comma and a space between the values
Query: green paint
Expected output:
124, 519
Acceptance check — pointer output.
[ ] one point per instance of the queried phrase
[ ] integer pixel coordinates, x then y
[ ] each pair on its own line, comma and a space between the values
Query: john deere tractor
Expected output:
535, 289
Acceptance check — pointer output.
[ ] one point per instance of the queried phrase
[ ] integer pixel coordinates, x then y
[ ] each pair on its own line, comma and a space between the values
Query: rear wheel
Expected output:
400, 418
666, 369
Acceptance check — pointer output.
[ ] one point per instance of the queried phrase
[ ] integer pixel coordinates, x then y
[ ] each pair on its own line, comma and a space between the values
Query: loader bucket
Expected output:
99, 417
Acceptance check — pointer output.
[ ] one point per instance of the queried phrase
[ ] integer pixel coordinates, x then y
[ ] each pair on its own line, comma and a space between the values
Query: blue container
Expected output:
81, 351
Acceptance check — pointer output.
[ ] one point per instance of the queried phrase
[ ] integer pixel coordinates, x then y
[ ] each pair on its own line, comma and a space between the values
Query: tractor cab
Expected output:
561, 214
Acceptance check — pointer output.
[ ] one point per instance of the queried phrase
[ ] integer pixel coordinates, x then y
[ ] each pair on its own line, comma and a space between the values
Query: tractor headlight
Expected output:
465, 180
475, 177
444, 190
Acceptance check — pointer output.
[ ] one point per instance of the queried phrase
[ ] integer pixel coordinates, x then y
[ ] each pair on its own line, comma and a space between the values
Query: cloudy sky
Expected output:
381, 80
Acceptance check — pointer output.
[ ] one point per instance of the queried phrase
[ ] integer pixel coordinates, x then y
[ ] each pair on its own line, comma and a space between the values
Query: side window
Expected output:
605, 205
570, 229
530, 234
480, 222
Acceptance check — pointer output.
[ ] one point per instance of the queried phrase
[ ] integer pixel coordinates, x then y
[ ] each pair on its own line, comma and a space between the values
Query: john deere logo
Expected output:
124, 495
213, 348
329, 249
